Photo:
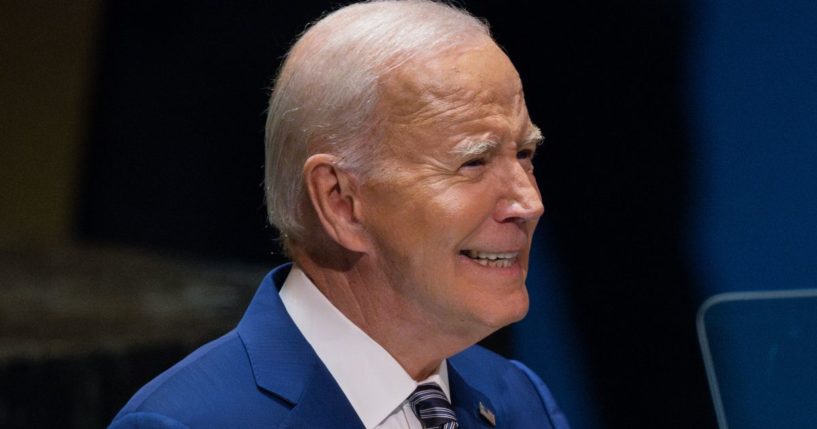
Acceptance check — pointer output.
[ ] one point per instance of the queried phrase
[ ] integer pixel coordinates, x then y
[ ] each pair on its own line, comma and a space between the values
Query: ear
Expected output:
333, 195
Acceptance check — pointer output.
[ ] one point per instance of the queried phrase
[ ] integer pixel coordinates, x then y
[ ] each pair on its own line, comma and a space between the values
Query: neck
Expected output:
392, 320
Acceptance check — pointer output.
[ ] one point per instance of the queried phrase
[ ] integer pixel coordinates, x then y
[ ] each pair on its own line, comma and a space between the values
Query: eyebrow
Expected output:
534, 137
475, 147
480, 146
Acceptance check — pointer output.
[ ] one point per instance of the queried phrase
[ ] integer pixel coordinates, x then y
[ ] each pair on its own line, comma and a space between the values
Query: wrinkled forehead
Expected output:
462, 81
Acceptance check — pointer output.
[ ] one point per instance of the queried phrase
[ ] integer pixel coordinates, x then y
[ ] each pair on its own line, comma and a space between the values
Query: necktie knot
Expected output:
432, 407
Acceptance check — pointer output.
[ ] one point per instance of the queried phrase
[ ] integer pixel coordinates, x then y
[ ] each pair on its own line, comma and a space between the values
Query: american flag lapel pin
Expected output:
487, 414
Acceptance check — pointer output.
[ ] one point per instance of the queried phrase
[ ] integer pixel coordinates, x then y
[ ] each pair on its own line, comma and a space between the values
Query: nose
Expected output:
521, 201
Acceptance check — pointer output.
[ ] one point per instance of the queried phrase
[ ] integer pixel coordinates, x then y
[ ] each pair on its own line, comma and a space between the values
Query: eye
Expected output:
525, 157
477, 162
524, 154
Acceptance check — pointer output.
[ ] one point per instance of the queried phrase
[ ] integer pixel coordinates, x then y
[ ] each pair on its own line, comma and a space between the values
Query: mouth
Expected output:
492, 259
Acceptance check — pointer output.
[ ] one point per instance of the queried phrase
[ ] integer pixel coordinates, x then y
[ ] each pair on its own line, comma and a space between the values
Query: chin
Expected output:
506, 311
520, 310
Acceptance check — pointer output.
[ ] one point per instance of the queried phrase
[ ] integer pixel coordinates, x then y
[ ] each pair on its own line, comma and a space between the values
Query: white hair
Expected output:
324, 97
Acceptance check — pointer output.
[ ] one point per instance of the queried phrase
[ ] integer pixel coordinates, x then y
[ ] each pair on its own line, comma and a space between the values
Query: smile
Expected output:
488, 259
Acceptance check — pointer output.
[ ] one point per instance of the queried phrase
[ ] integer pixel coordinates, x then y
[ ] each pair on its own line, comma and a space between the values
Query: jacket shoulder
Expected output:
510, 385
212, 387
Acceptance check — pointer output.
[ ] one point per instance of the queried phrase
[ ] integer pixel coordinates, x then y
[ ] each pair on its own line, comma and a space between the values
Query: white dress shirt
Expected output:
373, 381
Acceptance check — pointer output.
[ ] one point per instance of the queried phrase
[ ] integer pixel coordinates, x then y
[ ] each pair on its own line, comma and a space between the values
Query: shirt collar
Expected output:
372, 380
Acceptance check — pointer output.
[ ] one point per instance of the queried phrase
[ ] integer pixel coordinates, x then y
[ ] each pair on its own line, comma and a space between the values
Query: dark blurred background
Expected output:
678, 164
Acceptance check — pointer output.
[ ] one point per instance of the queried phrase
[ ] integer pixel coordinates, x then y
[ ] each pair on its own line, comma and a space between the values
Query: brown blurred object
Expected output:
63, 302
81, 328
46, 52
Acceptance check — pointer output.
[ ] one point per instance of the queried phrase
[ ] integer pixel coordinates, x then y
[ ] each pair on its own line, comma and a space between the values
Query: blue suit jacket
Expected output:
265, 374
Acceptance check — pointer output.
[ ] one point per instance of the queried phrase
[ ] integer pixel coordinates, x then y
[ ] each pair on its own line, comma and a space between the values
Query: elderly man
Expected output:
399, 173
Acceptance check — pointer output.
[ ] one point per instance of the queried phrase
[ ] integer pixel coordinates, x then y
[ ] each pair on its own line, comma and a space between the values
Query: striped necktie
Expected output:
432, 407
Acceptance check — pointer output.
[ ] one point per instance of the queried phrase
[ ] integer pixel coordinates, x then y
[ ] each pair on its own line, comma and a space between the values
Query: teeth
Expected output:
475, 254
488, 259
499, 263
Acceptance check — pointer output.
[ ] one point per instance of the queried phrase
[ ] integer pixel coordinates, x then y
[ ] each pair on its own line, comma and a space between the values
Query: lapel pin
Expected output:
487, 414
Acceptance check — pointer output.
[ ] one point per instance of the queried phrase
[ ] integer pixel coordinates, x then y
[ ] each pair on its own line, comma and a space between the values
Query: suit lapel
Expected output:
285, 365
322, 405
472, 407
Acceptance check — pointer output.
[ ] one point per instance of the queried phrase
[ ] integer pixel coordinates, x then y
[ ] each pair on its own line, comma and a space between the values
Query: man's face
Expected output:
452, 214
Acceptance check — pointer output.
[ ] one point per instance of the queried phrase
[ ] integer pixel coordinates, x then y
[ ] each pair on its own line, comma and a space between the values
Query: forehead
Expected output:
477, 82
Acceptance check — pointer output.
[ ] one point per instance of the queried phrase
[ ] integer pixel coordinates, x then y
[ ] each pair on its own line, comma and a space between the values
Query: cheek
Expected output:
427, 222
446, 220
464, 208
